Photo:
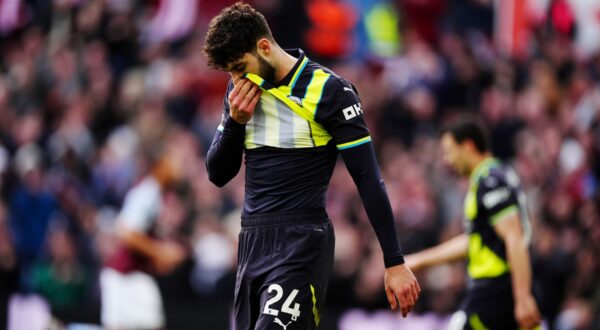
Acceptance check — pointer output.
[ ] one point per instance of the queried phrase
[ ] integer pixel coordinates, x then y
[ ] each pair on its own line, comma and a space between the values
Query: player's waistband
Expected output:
283, 218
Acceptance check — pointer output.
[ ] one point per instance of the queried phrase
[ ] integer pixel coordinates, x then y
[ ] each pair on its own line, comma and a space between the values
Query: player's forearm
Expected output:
520, 268
379, 211
139, 242
224, 157
454, 249
362, 165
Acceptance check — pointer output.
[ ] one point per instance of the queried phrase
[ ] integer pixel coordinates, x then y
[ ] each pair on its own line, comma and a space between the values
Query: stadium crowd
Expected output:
92, 90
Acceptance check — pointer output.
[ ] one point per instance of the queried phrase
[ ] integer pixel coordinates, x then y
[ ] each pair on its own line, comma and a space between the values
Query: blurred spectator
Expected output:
9, 267
85, 85
31, 205
214, 255
61, 278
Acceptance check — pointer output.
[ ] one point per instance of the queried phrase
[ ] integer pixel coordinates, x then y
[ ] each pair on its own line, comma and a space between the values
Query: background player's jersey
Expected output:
140, 211
290, 157
494, 195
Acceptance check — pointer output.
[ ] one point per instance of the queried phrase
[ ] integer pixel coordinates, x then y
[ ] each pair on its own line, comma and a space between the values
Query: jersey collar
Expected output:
482, 167
291, 78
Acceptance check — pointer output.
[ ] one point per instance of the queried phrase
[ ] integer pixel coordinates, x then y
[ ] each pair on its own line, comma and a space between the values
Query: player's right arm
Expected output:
500, 201
164, 256
224, 157
135, 219
454, 249
526, 310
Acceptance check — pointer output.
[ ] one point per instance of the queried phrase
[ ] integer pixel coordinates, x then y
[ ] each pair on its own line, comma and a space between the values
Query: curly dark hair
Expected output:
233, 33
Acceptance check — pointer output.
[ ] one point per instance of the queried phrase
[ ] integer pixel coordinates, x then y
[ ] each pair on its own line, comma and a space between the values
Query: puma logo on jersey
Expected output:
284, 326
352, 111
348, 89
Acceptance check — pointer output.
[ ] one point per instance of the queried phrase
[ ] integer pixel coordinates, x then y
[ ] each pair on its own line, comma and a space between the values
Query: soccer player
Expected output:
291, 117
495, 242
130, 295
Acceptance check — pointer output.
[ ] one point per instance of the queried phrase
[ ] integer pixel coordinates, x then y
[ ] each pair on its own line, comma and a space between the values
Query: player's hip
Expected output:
285, 261
488, 303
271, 240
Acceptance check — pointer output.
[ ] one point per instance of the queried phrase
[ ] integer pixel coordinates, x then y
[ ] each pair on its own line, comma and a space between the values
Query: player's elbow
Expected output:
216, 179
215, 174
218, 174
516, 243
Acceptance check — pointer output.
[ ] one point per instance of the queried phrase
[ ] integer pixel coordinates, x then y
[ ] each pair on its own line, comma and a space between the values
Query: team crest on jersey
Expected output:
295, 99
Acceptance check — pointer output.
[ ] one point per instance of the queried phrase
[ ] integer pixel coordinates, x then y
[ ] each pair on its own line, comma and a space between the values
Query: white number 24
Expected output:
286, 308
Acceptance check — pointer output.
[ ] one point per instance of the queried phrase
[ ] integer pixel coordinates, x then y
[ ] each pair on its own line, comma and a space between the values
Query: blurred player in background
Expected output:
130, 295
496, 238
291, 117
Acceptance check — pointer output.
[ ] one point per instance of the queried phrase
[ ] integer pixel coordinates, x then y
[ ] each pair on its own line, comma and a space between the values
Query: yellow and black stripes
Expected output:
307, 110
289, 124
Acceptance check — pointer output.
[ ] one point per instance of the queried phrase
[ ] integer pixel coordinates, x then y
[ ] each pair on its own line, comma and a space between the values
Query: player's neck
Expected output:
285, 63
477, 159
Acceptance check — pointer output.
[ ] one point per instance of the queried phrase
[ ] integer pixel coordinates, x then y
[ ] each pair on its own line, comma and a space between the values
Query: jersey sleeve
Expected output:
225, 113
139, 208
497, 198
224, 156
362, 166
342, 115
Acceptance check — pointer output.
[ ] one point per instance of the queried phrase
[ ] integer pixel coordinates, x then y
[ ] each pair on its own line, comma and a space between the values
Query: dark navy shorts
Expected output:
284, 265
489, 307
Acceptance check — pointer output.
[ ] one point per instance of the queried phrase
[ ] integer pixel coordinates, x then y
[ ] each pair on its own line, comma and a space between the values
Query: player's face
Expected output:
266, 70
252, 63
453, 154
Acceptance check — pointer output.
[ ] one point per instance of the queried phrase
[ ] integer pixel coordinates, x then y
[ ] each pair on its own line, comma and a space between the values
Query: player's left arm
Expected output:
344, 121
133, 223
501, 202
401, 285
526, 310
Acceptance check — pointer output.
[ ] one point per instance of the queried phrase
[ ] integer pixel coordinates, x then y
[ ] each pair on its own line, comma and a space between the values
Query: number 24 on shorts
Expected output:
286, 308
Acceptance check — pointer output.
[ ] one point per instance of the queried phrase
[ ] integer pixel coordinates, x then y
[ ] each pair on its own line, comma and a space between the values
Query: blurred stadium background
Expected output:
89, 87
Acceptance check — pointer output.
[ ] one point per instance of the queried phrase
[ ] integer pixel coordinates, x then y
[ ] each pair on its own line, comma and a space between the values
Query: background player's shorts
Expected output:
493, 313
284, 265
130, 301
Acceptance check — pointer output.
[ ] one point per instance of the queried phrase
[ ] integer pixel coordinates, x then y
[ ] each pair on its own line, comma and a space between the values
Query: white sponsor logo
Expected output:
495, 197
348, 89
352, 111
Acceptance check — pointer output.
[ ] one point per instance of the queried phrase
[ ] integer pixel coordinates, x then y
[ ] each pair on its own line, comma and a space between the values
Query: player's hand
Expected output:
526, 312
242, 100
401, 288
168, 257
